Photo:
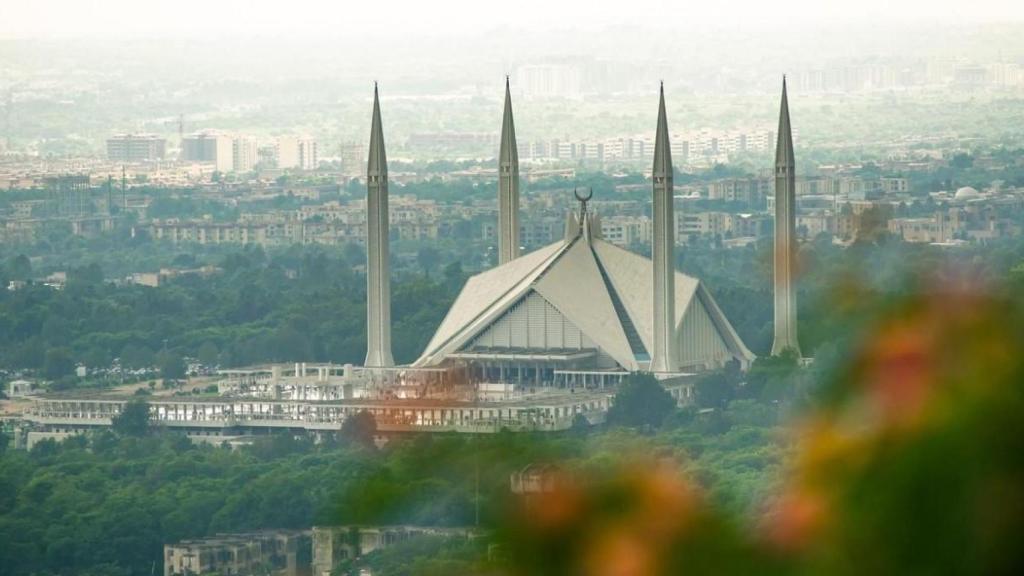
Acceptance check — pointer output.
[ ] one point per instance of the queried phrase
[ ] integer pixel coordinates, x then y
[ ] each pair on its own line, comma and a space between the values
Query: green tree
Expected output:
172, 366
19, 268
428, 258
91, 274
961, 161
774, 377
208, 354
96, 357
714, 390
360, 428
641, 402
453, 274
136, 357
353, 254
57, 363
133, 419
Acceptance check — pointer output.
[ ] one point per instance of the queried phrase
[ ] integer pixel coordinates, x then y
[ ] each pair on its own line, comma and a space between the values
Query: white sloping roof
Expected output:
568, 276
574, 286
485, 296
725, 328
632, 276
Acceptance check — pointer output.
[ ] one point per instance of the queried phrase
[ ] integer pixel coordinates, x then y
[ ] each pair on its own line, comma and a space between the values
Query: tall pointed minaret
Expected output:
785, 234
508, 187
378, 268
663, 356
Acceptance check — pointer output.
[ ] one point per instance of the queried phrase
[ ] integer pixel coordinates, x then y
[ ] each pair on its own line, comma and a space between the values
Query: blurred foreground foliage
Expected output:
909, 459
108, 502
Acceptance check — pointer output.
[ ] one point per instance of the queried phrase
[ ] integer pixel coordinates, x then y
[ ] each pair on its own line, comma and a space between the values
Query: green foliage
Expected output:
641, 402
360, 429
961, 161
208, 354
172, 366
251, 313
18, 268
428, 258
137, 357
423, 556
133, 419
772, 377
717, 389
111, 504
57, 364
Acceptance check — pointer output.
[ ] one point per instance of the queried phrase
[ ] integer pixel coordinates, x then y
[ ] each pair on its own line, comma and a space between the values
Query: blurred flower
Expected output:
795, 520
619, 553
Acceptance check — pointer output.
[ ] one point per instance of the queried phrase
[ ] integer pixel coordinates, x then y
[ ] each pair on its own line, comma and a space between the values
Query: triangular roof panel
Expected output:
486, 295
574, 286
631, 276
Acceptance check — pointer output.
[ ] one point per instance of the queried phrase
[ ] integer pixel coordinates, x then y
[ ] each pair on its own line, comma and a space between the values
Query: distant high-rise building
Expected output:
227, 152
135, 147
546, 80
353, 158
969, 75
297, 152
209, 146
243, 153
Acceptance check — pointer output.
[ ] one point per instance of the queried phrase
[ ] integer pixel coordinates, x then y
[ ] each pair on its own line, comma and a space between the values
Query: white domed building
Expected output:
966, 194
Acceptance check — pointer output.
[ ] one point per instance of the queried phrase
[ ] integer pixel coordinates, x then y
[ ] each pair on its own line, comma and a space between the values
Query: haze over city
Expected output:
457, 18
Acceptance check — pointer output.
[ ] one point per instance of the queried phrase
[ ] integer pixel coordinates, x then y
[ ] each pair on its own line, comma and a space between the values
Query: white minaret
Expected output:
785, 235
663, 357
378, 269
508, 187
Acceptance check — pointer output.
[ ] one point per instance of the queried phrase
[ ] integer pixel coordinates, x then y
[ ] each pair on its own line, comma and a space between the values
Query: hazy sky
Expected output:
378, 18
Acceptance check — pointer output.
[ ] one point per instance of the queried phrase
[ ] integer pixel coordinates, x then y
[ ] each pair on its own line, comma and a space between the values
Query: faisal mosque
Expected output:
536, 343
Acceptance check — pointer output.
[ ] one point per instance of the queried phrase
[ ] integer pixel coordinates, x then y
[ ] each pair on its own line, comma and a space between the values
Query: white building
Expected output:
243, 153
581, 303
135, 147
626, 230
209, 146
228, 153
298, 152
550, 80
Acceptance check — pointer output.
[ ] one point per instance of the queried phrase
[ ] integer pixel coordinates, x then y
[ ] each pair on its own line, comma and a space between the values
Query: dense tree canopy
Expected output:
252, 312
641, 402
108, 502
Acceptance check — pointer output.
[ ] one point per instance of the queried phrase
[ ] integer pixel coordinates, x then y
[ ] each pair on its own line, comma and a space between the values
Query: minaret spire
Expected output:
378, 268
663, 358
508, 186
785, 234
